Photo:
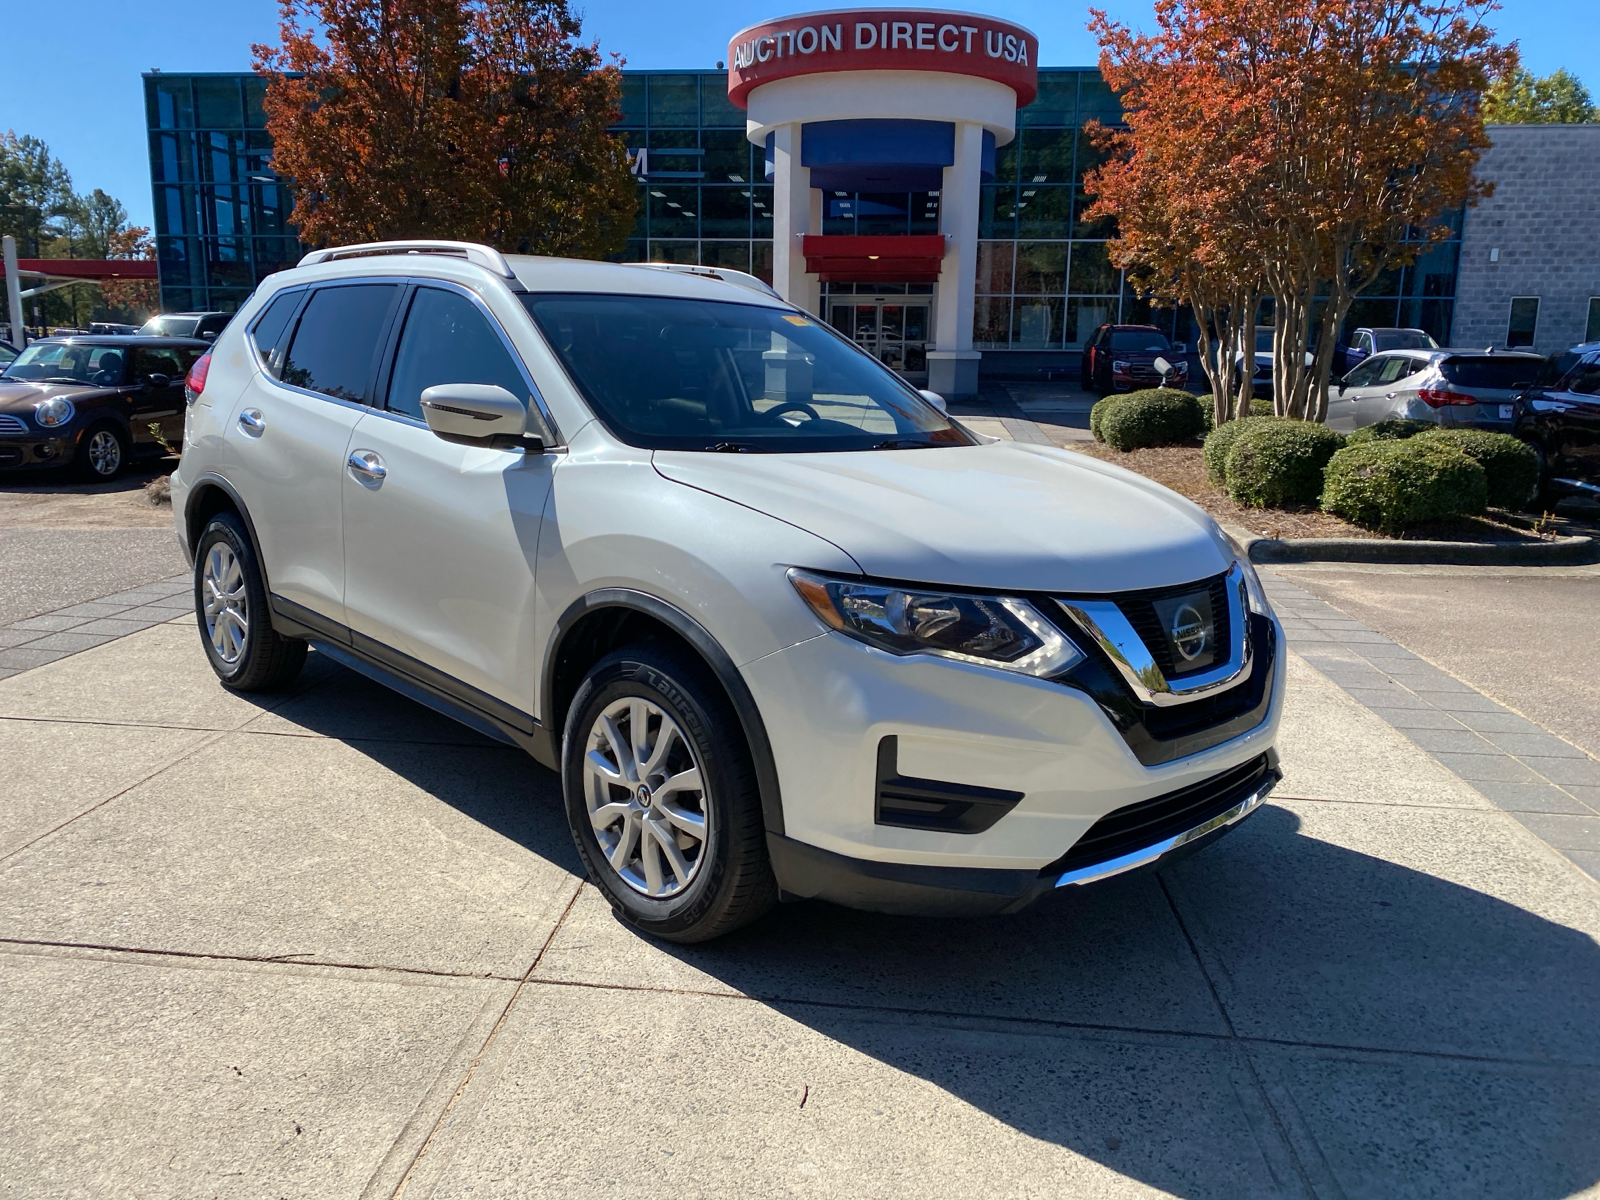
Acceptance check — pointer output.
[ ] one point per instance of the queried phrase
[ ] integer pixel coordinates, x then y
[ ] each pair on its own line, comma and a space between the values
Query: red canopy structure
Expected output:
838, 258
64, 272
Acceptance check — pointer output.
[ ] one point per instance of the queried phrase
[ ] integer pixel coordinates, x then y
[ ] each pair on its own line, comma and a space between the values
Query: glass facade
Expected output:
221, 212
1044, 280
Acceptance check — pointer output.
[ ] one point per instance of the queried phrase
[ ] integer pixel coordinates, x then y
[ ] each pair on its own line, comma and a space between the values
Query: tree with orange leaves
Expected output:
1331, 137
482, 120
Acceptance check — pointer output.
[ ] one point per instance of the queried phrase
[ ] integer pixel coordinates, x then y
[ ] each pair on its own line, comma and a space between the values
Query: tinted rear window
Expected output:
1139, 339
270, 326
1404, 339
336, 341
1508, 374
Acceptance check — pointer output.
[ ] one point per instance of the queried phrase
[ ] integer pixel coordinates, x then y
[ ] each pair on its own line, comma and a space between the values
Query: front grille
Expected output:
10, 456
1141, 613
12, 425
1144, 824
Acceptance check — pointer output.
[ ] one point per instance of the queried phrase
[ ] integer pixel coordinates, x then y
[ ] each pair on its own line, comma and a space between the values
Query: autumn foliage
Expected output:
1300, 146
480, 120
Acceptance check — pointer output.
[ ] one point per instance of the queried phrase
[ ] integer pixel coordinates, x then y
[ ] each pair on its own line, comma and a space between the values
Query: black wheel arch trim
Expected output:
709, 649
197, 489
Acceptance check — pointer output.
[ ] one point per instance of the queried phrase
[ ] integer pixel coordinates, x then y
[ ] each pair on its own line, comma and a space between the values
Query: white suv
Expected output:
785, 628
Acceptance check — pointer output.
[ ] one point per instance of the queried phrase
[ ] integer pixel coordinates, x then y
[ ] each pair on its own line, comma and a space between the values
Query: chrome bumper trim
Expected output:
1138, 858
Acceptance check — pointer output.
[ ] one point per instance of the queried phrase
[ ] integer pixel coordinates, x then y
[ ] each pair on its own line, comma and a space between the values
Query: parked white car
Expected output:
785, 628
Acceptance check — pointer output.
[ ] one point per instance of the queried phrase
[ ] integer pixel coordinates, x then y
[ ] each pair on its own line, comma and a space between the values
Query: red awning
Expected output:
94, 269
847, 259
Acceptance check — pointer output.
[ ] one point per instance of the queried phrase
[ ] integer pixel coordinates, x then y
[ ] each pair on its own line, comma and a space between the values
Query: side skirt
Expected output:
417, 681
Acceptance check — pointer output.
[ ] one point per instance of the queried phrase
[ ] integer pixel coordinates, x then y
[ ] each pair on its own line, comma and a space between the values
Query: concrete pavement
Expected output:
331, 944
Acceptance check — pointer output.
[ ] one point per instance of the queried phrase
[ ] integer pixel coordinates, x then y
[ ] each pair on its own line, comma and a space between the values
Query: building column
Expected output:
791, 217
953, 363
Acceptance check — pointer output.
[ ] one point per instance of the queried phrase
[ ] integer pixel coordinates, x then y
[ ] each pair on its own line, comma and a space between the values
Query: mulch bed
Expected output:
1181, 469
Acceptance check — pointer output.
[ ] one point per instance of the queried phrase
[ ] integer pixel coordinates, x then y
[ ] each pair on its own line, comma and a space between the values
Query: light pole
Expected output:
19, 329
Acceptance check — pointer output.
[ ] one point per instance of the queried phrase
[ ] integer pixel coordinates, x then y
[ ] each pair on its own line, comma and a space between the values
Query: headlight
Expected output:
1118, 364
1253, 590
992, 631
53, 413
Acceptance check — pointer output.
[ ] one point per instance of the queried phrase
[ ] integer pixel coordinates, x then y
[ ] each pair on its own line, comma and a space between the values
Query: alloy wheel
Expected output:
227, 607
646, 797
105, 452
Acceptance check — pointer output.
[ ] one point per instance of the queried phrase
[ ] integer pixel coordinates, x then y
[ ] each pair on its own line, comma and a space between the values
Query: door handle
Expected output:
367, 467
1388, 395
252, 422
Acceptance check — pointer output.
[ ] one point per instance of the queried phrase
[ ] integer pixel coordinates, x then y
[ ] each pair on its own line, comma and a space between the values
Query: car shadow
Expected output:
1401, 1033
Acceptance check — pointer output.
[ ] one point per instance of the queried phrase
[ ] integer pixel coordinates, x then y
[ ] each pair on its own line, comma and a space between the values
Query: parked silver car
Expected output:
1472, 389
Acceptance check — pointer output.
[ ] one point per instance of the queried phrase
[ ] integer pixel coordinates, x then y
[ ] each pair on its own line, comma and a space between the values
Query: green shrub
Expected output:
1512, 467
1279, 462
1387, 484
1159, 417
1102, 407
1394, 429
1220, 440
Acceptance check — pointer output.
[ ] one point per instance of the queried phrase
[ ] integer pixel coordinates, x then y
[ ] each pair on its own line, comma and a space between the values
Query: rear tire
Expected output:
662, 797
231, 606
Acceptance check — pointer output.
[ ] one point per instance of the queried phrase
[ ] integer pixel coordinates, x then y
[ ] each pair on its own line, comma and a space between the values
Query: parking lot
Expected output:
333, 944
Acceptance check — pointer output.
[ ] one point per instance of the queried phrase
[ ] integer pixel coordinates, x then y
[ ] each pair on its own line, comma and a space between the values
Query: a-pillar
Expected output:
791, 218
953, 363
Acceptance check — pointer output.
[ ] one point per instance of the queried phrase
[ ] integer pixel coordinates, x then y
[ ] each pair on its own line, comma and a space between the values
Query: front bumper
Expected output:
1013, 771
807, 872
18, 452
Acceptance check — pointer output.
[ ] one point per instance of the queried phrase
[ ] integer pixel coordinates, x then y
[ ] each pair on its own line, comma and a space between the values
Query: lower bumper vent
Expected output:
932, 803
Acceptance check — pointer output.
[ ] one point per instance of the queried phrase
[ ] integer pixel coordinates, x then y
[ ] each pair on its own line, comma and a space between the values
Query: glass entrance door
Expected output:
893, 329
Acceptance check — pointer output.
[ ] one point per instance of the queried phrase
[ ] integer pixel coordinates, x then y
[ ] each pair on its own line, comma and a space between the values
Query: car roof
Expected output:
525, 272
1140, 328
159, 316
120, 340
1392, 329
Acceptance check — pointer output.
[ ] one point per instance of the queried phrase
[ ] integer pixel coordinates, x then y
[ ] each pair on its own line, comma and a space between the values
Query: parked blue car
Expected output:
1366, 342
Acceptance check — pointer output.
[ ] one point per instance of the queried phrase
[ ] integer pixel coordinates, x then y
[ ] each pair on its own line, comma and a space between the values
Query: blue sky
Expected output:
73, 79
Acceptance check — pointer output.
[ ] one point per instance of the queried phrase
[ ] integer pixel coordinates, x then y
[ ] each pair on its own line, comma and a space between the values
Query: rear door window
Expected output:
447, 339
1395, 367
1506, 374
336, 340
269, 326
174, 363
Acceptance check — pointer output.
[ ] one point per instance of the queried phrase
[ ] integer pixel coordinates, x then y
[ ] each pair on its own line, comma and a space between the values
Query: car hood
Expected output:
18, 395
1004, 515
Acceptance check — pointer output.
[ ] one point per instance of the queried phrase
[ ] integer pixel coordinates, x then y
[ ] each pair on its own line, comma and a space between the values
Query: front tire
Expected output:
662, 798
230, 603
102, 453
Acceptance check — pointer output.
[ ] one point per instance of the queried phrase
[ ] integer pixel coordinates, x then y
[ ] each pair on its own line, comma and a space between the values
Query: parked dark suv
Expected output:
191, 324
1120, 358
1559, 416
89, 402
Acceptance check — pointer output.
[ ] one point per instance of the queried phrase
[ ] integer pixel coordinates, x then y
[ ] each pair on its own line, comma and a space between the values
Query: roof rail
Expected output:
724, 274
479, 255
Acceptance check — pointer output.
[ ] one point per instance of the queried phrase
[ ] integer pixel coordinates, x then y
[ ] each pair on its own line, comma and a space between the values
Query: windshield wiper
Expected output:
901, 444
736, 448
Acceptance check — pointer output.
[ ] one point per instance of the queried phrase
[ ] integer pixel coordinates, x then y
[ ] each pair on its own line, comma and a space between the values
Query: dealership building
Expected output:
914, 177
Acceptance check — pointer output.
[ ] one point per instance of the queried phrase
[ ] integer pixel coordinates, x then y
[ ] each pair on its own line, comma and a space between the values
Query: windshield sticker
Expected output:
796, 320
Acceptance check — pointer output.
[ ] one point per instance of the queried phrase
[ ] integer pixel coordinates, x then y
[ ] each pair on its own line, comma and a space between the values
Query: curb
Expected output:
1565, 551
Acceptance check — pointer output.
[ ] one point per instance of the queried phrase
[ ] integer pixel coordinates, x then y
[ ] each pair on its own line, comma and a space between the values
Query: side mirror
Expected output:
478, 414
934, 399
157, 380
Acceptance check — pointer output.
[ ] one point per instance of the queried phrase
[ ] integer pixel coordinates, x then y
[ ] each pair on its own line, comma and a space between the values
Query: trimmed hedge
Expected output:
1220, 440
1512, 467
1278, 462
1394, 429
1158, 417
1387, 484
1103, 406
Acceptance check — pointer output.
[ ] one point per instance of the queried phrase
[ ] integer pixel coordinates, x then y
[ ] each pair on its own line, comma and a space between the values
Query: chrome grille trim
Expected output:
1105, 623
9, 424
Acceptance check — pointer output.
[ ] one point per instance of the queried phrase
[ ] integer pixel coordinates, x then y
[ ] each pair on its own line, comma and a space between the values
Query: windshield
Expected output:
1263, 341
1140, 339
670, 374
64, 362
1404, 339
170, 326
1555, 368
